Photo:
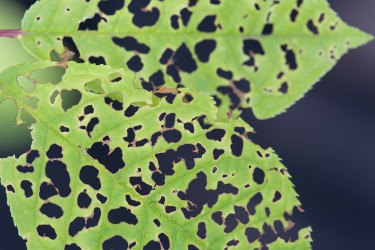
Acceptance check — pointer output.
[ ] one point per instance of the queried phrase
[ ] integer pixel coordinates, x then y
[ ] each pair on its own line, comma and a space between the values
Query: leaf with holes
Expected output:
262, 54
113, 166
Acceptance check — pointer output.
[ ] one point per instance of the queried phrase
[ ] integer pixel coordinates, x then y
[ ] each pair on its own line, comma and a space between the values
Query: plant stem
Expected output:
10, 33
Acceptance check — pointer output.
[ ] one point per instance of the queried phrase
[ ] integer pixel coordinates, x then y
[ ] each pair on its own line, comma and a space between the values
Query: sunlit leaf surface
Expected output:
263, 54
116, 167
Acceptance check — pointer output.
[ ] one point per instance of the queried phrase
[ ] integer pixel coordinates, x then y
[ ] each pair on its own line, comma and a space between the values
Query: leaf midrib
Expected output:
96, 33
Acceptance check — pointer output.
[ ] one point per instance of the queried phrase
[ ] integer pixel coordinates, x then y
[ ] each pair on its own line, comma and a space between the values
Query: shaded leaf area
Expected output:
122, 168
262, 54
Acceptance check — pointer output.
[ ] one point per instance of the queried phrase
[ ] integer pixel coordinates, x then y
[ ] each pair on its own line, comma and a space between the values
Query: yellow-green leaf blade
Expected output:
273, 51
140, 171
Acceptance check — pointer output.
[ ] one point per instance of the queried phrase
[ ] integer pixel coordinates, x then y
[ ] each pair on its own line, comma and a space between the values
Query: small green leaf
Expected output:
264, 54
142, 170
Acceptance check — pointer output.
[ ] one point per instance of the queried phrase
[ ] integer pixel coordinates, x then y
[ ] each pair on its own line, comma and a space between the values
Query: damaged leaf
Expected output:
121, 167
262, 54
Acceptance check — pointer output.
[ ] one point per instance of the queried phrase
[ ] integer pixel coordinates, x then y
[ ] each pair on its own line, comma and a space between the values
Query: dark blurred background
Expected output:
326, 140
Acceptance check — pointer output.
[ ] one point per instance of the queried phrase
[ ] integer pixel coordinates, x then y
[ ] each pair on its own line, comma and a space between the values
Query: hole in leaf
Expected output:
70, 98
122, 214
51, 210
27, 188
115, 77
46, 231
115, 100
116, 242
47, 190
53, 96
95, 86
70, 45
26, 83
48, 75
97, 60
59, 176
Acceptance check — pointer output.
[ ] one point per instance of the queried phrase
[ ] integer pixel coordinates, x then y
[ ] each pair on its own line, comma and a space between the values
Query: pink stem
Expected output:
10, 33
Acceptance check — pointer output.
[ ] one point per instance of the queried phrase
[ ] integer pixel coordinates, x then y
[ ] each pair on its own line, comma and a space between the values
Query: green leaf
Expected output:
110, 163
264, 54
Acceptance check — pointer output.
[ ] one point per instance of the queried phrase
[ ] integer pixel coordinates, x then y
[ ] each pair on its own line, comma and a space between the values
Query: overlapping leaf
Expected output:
113, 165
263, 54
